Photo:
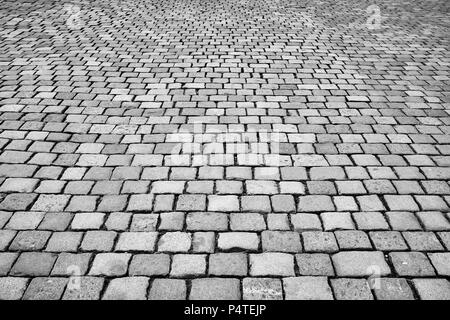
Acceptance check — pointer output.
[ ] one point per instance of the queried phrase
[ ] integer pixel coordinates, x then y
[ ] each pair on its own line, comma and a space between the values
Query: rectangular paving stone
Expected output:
136, 241
281, 241
110, 264
12, 288
188, 265
360, 263
83, 288
271, 264
184, 167
392, 289
262, 289
351, 289
411, 264
432, 289
149, 265
167, 289
227, 264
307, 288
206, 221
128, 288
215, 289
45, 288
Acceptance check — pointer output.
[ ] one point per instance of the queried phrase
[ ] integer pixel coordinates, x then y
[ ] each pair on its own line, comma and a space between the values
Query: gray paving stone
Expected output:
337, 221
187, 265
6, 261
25, 220
434, 221
83, 288
136, 241
227, 264
403, 221
55, 221
307, 288
6, 236
110, 264
422, 241
30, 240
45, 289
215, 289
360, 263
413, 264
204, 149
191, 202
352, 240
238, 241
64, 242
167, 289
262, 289
392, 289
314, 264
351, 289
317, 241
305, 222
71, 264
432, 289
441, 262
271, 264
143, 222
203, 242
12, 288
98, 241
388, 241
223, 203
50, 203
129, 288
315, 203
206, 221
150, 265
247, 222
33, 264
281, 241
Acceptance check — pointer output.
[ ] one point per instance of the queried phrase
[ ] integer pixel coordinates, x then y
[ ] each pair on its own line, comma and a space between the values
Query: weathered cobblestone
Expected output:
307, 288
432, 289
224, 150
262, 289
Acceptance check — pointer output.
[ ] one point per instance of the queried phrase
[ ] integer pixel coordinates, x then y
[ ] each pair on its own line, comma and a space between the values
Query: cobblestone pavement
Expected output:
224, 149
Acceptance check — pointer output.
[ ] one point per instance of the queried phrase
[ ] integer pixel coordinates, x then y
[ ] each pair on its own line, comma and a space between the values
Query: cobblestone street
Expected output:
225, 149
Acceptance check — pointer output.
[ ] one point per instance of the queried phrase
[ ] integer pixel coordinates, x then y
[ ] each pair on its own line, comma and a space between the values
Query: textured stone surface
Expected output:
307, 288
224, 149
215, 289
